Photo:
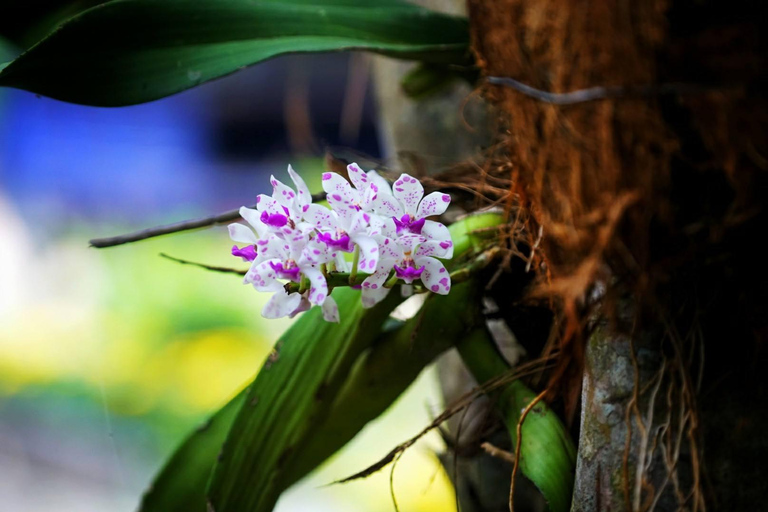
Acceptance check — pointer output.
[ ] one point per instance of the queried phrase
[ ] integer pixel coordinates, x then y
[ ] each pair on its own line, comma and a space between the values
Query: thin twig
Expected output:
519, 443
176, 227
600, 92
495, 451
225, 270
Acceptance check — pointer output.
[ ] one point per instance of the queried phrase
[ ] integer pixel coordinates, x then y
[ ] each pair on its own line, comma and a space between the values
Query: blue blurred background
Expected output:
108, 358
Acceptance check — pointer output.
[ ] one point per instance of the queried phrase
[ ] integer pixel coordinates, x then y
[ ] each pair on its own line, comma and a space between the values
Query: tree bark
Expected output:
652, 189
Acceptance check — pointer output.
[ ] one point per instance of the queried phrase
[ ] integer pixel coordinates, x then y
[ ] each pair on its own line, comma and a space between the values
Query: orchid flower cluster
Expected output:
292, 240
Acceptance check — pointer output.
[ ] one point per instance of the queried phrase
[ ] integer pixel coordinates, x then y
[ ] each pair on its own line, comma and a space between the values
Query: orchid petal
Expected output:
303, 197
390, 250
380, 183
369, 253
408, 191
304, 305
433, 204
320, 217
385, 204
263, 276
373, 290
436, 232
265, 203
318, 290
241, 234
282, 193
330, 310
435, 277
252, 217
358, 223
281, 304
340, 194
358, 178
315, 252
433, 249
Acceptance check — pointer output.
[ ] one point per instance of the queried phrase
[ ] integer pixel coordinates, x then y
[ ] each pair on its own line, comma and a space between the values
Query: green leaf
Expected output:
547, 453
289, 399
379, 376
386, 370
133, 51
180, 485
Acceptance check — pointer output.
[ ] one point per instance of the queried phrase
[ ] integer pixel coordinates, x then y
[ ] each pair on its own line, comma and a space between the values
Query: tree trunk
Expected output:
649, 185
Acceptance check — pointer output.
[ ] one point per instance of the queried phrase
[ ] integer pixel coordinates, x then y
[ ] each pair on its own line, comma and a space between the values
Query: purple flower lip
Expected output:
275, 220
343, 243
248, 253
408, 274
406, 223
286, 272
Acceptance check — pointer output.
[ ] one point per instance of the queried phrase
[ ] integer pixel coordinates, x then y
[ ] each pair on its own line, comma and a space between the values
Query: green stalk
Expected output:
547, 453
355, 262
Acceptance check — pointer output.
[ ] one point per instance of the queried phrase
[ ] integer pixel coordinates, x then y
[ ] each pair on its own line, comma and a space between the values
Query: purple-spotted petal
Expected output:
359, 223
432, 249
241, 234
389, 250
382, 186
281, 304
330, 310
339, 193
282, 193
303, 197
321, 217
439, 234
373, 290
316, 252
263, 277
435, 277
433, 204
369, 253
267, 204
318, 290
358, 178
385, 204
409, 192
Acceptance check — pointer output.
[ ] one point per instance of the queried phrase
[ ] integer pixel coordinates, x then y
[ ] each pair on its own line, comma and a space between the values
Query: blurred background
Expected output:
108, 358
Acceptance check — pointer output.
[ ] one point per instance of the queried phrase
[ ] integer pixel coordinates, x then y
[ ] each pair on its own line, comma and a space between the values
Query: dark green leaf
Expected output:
132, 51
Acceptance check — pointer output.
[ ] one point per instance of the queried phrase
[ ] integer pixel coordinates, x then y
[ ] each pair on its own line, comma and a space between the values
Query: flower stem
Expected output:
355, 262
392, 281
304, 284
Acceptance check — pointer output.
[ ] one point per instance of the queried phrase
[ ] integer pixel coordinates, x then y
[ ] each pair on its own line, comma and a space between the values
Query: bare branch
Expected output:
225, 270
177, 227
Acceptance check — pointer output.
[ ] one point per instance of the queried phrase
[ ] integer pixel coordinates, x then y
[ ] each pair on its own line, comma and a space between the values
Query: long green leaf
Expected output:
387, 370
288, 399
180, 485
380, 375
133, 51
